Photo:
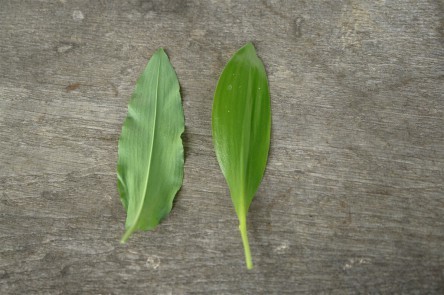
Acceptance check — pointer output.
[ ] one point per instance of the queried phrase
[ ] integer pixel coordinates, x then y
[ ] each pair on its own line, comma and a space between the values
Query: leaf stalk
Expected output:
243, 230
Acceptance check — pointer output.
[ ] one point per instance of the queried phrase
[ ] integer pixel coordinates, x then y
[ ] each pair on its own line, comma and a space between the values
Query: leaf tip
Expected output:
250, 47
160, 51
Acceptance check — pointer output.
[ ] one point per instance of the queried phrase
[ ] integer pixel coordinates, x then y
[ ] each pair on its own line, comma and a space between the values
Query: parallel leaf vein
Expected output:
150, 155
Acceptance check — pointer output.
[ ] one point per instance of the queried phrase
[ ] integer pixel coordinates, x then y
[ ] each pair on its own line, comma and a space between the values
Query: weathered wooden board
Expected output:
353, 196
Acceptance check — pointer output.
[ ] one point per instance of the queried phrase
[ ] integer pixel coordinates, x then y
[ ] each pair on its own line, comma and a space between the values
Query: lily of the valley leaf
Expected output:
241, 123
150, 161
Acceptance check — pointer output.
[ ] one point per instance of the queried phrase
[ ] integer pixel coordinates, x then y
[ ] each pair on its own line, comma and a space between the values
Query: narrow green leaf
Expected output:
150, 164
241, 123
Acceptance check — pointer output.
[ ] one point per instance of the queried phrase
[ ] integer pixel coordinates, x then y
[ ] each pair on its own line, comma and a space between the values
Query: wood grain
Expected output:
353, 197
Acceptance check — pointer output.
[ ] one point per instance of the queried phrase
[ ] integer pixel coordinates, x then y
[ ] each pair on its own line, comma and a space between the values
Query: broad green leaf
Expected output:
150, 164
241, 124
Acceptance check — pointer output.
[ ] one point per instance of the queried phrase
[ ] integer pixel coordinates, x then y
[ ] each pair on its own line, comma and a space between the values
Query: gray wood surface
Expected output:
353, 197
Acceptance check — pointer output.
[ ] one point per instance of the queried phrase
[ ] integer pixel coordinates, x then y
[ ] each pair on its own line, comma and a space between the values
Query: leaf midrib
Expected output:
139, 212
245, 147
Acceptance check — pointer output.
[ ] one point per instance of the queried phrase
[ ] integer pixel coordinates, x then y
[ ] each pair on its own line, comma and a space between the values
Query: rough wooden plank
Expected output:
353, 197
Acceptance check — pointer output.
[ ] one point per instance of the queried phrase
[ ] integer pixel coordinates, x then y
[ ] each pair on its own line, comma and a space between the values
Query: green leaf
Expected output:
150, 164
241, 123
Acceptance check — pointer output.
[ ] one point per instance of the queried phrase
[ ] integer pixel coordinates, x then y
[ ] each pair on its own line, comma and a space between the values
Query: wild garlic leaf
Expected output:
241, 123
150, 161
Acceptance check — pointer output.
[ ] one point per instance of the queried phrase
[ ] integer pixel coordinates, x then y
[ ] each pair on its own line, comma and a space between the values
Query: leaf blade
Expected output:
241, 125
150, 157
